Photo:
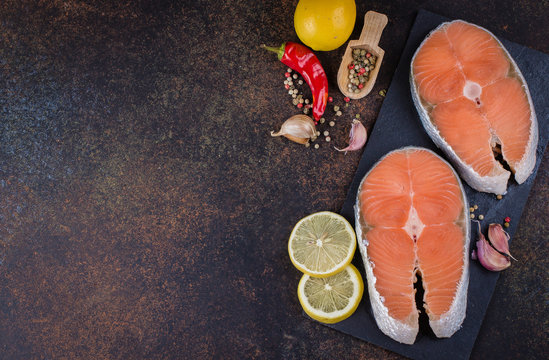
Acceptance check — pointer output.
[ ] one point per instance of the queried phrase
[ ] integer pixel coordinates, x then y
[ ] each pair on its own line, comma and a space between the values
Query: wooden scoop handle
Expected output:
374, 23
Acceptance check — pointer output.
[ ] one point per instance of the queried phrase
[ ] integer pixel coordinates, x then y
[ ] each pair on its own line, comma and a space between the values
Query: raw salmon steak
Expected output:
475, 105
411, 217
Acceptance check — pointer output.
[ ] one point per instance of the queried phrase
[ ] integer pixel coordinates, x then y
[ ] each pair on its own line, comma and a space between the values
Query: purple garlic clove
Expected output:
499, 239
357, 137
489, 257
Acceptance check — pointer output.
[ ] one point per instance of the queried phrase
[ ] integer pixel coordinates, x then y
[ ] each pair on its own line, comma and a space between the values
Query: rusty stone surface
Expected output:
144, 207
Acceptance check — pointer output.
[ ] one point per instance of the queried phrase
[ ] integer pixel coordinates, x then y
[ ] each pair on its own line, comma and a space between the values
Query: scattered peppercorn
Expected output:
481, 217
506, 224
499, 197
471, 209
291, 82
475, 206
383, 92
472, 216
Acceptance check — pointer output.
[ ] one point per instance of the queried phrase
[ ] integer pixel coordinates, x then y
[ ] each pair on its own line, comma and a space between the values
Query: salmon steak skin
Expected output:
411, 218
474, 103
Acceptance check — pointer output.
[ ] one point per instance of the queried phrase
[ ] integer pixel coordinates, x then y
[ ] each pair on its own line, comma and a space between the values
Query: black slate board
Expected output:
398, 125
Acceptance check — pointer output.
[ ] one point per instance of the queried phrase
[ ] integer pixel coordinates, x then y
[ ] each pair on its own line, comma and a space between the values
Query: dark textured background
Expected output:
144, 207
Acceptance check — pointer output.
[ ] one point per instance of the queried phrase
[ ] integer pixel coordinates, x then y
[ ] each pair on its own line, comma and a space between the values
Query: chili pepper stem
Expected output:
279, 51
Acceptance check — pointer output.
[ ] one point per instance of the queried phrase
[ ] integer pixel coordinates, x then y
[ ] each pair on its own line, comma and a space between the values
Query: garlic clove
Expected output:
357, 137
489, 257
298, 128
295, 139
499, 239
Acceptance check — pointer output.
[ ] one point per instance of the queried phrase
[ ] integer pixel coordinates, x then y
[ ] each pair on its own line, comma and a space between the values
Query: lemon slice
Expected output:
333, 298
322, 244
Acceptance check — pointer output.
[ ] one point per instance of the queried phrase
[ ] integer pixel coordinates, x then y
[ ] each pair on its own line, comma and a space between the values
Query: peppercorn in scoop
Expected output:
359, 69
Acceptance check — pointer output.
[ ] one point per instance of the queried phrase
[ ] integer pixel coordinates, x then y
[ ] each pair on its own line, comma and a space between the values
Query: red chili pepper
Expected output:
304, 61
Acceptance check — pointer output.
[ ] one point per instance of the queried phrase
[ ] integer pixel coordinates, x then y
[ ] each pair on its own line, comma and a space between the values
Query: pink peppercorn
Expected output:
347, 99
300, 105
507, 219
287, 74
330, 99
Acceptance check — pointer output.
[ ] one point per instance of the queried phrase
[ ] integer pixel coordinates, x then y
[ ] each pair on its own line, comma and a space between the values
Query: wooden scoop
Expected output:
374, 23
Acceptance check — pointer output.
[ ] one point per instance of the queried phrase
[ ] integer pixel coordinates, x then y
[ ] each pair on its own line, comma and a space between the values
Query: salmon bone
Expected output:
472, 91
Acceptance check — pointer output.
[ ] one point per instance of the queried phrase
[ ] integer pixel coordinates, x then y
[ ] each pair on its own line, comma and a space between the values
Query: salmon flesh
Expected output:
411, 216
475, 105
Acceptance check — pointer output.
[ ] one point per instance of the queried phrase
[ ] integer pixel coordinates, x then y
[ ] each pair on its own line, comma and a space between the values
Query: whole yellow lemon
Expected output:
324, 24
